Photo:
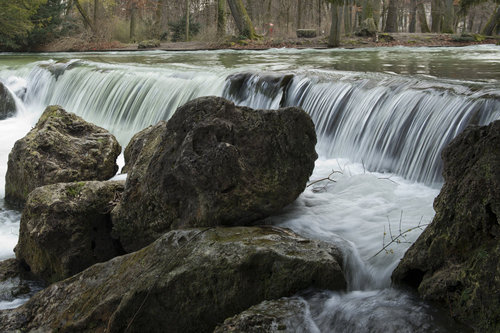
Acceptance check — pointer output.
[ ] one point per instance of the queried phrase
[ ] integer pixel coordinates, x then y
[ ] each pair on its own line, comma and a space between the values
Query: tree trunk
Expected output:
187, 22
243, 22
348, 19
422, 19
221, 18
85, 16
447, 26
391, 24
299, 14
133, 21
436, 9
334, 38
412, 27
376, 13
492, 23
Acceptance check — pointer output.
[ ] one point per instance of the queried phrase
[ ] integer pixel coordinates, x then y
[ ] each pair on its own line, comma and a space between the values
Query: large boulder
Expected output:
143, 144
62, 147
66, 228
455, 261
186, 281
7, 103
214, 163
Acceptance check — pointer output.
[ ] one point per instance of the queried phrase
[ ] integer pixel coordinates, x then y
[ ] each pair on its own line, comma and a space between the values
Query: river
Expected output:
382, 118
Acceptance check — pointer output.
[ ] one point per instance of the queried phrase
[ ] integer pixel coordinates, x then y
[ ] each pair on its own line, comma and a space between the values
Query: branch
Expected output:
326, 178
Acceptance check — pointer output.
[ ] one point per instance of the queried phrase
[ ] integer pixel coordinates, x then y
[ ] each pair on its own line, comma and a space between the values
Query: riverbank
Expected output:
348, 42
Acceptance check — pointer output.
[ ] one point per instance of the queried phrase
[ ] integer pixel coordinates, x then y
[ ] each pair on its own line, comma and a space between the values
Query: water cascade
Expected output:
380, 135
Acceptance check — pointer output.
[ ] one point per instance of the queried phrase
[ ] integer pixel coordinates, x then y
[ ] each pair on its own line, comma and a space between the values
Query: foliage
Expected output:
15, 21
48, 24
179, 29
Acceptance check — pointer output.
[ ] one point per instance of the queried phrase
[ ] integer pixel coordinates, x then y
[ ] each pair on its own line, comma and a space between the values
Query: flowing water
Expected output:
382, 118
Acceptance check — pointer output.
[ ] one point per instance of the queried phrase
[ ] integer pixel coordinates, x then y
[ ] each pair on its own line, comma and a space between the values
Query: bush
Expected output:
179, 29
306, 33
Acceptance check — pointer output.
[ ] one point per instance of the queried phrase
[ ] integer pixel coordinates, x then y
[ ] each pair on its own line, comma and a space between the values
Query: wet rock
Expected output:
186, 281
148, 44
62, 147
7, 103
16, 281
66, 228
215, 164
455, 261
282, 315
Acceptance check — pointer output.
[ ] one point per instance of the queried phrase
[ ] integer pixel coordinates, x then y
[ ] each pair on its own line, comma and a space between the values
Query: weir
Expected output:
387, 123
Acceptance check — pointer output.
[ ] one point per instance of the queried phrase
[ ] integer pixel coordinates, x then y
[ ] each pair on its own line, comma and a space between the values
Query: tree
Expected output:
15, 22
334, 38
242, 20
221, 18
47, 21
391, 24
493, 22
422, 19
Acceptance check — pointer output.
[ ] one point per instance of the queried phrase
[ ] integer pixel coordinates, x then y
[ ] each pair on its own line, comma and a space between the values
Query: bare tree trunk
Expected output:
376, 12
422, 19
85, 16
412, 27
447, 26
241, 19
334, 38
221, 18
348, 19
133, 21
96, 10
187, 21
299, 14
470, 25
492, 23
392, 17
436, 13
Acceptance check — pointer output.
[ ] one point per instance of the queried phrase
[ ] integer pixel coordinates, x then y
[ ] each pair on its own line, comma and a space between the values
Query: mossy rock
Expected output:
214, 163
455, 261
306, 33
186, 281
7, 103
468, 37
148, 44
66, 228
62, 147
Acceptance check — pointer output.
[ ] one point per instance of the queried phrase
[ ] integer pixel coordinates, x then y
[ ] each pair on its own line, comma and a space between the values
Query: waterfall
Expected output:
397, 125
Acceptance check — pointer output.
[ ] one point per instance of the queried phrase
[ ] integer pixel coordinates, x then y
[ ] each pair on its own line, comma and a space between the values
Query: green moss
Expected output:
75, 189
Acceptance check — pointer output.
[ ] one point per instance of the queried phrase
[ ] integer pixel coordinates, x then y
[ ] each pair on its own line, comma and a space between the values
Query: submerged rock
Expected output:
455, 261
66, 228
62, 147
282, 315
7, 103
214, 163
186, 281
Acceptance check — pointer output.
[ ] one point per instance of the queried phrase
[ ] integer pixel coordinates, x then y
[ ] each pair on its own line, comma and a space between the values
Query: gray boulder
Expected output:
214, 163
7, 103
455, 261
62, 147
186, 281
66, 228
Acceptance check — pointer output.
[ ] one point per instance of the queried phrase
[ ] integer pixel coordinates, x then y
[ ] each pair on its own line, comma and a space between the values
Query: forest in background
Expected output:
28, 24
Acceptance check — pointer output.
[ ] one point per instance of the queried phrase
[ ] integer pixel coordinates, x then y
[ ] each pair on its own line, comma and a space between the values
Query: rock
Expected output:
15, 281
142, 142
455, 261
367, 28
282, 315
215, 164
66, 228
186, 281
7, 103
306, 33
148, 44
62, 147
